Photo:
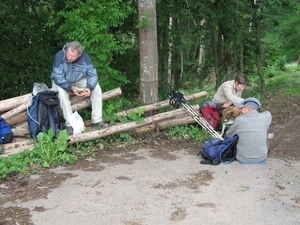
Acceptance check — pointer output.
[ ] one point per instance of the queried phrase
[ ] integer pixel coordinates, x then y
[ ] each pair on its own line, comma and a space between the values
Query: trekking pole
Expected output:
201, 120
197, 117
177, 99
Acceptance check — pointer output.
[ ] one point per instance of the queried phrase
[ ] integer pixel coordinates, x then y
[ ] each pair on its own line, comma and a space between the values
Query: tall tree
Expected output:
148, 52
256, 29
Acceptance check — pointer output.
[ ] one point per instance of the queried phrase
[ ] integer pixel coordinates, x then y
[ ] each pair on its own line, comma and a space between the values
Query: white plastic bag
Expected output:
77, 123
38, 87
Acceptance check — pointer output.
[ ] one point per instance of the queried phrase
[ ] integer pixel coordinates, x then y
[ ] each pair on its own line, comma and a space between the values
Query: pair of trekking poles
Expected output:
177, 100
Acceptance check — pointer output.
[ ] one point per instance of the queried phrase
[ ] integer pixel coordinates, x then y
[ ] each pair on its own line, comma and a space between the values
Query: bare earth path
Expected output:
160, 181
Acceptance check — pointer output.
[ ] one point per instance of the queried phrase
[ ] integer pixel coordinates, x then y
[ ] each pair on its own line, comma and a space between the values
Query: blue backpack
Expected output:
216, 151
6, 134
43, 113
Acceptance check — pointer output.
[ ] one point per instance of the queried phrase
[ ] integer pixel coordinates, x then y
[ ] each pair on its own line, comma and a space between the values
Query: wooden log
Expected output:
21, 130
16, 147
23, 116
8, 104
155, 106
17, 119
20, 118
15, 111
186, 119
162, 125
160, 105
86, 102
87, 136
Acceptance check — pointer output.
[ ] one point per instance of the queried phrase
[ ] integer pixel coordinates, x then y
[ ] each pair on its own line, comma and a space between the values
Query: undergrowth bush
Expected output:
188, 131
11, 165
46, 152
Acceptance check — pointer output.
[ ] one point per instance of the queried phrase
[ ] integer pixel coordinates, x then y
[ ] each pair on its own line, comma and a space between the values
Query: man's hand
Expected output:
85, 93
226, 104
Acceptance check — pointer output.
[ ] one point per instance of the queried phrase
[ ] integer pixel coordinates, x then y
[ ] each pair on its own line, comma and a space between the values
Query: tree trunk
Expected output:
220, 77
241, 58
256, 24
170, 52
227, 61
258, 61
215, 56
148, 52
201, 58
163, 49
176, 55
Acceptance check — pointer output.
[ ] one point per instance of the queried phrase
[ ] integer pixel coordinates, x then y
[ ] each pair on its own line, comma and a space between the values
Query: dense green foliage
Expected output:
95, 24
27, 46
230, 35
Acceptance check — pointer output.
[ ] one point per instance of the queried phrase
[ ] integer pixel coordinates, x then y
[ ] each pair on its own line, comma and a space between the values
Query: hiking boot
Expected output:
70, 130
100, 125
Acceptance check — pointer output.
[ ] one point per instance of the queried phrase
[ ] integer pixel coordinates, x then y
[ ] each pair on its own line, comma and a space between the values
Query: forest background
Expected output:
150, 47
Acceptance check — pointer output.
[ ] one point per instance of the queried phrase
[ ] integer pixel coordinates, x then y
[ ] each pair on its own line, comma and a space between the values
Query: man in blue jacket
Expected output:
252, 129
74, 72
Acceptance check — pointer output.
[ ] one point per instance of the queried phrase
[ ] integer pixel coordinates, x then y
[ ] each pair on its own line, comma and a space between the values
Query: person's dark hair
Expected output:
242, 79
76, 46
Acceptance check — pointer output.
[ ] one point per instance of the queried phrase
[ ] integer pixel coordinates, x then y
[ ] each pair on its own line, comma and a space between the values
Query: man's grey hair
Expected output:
76, 46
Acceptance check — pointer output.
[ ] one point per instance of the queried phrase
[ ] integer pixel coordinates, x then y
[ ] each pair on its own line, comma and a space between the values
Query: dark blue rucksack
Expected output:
6, 134
216, 151
43, 113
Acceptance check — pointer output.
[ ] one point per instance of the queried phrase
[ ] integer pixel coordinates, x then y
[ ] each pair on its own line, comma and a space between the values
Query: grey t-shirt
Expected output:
252, 129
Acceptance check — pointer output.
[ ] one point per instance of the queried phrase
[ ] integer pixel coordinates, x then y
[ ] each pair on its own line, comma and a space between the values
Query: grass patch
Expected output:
189, 131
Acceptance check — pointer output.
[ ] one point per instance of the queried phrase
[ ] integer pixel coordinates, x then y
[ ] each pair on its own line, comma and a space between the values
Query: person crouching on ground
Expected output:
230, 92
252, 128
74, 72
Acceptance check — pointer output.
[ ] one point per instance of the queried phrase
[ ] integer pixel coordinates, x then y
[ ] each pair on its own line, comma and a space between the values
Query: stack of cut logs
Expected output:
14, 111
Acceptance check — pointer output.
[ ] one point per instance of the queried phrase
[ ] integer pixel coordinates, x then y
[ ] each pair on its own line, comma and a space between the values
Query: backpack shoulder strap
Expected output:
228, 154
53, 116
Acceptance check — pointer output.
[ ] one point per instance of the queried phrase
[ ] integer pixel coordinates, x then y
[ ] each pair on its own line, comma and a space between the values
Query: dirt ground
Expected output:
18, 194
